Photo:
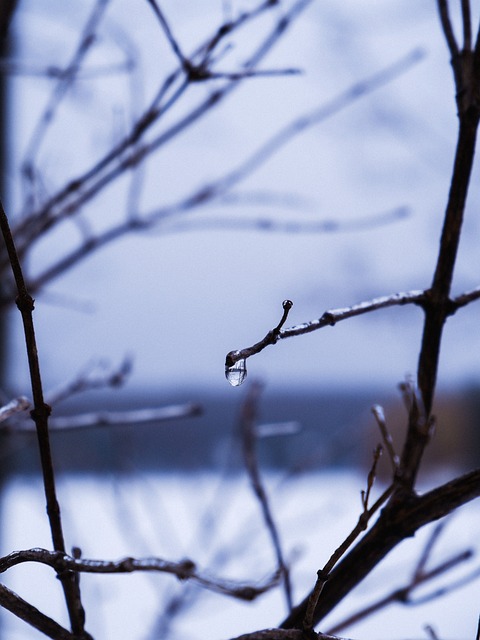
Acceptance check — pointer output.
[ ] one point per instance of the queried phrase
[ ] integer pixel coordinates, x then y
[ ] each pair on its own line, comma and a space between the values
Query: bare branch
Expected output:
273, 225
184, 63
285, 634
115, 418
329, 318
400, 518
247, 427
66, 79
323, 575
465, 298
129, 153
93, 376
35, 618
377, 411
183, 570
17, 405
467, 25
403, 594
447, 27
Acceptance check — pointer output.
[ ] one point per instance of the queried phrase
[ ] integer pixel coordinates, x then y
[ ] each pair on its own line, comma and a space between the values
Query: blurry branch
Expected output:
15, 406
65, 80
248, 435
183, 570
20, 68
96, 420
40, 415
131, 153
30, 614
379, 415
184, 63
273, 225
135, 417
92, 377
323, 112
420, 577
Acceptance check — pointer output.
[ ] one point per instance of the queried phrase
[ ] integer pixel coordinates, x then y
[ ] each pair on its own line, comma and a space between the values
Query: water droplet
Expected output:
237, 373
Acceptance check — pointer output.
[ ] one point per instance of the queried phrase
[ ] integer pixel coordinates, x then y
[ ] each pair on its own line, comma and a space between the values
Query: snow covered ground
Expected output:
215, 521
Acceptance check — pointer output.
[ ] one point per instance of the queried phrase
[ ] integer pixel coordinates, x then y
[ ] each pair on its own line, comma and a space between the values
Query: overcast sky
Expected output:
180, 299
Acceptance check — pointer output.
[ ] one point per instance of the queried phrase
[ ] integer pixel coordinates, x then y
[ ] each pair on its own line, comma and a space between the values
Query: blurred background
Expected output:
321, 178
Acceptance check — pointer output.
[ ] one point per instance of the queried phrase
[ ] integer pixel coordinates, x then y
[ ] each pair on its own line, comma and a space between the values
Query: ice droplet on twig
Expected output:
237, 373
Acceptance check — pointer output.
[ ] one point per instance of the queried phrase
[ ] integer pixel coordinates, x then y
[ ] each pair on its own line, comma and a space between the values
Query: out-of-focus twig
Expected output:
379, 415
94, 376
15, 406
134, 417
247, 428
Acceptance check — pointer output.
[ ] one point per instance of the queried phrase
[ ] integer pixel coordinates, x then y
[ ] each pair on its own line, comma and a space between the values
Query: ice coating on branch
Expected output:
237, 373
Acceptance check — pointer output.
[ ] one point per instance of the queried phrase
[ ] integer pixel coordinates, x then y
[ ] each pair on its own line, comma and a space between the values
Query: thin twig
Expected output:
329, 318
30, 614
379, 414
247, 426
95, 420
183, 570
184, 62
447, 27
323, 575
95, 375
15, 406
467, 25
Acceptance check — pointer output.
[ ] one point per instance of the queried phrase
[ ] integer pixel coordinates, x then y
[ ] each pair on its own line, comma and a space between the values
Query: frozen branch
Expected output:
329, 318
465, 298
379, 415
135, 418
17, 405
93, 376
183, 570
